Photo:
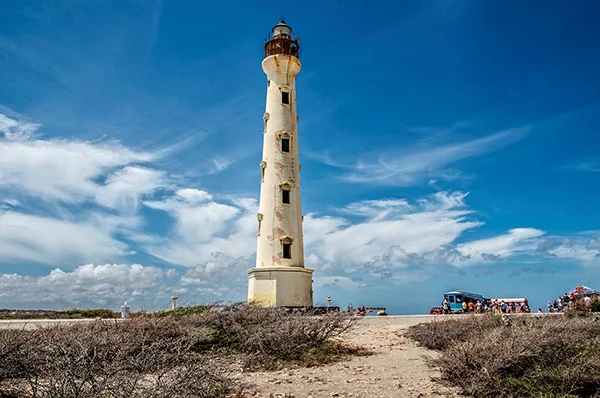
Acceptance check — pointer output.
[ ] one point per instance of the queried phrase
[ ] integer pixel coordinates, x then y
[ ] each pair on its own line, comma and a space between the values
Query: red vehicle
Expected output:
436, 311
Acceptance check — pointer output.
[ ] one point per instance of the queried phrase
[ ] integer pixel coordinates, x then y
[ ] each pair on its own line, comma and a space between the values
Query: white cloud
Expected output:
17, 131
221, 277
582, 248
419, 163
516, 241
376, 209
216, 237
220, 163
88, 285
204, 226
587, 165
47, 177
71, 171
124, 188
392, 224
6, 204
45, 240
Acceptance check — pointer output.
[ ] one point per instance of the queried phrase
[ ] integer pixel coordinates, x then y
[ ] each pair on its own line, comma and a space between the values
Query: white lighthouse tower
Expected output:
280, 278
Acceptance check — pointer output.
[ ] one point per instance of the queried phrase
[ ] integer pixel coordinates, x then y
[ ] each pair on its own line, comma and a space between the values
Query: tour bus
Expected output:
457, 297
516, 304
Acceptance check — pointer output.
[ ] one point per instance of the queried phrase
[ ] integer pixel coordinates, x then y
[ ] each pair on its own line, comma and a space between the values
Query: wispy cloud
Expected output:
14, 130
589, 166
47, 240
499, 248
422, 162
405, 168
106, 173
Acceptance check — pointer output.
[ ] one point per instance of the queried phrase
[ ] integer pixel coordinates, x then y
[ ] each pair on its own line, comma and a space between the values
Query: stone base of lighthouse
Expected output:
280, 287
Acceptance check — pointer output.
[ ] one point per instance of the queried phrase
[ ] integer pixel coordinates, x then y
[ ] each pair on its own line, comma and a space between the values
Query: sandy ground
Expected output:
396, 369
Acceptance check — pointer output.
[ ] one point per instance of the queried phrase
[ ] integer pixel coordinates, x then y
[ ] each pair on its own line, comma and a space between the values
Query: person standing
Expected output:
446, 306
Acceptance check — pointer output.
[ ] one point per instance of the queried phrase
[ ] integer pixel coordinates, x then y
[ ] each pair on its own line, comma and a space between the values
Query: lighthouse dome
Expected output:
282, 29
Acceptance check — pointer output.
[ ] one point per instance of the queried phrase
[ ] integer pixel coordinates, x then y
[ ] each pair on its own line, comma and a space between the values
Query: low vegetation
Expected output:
170, 356
491, 356
65, 314
180, 311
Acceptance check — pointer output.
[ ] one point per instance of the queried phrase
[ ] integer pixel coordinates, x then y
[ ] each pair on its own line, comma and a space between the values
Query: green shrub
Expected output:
184, 311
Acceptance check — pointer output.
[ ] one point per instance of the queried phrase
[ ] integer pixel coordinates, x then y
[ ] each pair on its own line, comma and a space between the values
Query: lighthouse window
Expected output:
287, 250
285, 97
285, 145
285, 196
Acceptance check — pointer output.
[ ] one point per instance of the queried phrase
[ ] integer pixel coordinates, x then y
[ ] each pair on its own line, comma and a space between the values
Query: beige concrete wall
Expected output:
280, 286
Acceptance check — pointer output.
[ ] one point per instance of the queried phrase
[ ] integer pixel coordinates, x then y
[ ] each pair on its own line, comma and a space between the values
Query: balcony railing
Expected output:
282, 44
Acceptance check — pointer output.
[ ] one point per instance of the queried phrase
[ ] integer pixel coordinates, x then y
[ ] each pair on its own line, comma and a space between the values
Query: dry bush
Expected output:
270, 337
545, 357
107, 359
184, 356
439, 334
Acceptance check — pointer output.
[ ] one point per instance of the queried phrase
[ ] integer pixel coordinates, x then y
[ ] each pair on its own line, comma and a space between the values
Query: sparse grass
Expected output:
170, 356
554, 356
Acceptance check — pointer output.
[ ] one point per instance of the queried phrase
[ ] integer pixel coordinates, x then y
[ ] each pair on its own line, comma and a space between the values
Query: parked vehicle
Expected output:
456, 299
436, 311
515, 304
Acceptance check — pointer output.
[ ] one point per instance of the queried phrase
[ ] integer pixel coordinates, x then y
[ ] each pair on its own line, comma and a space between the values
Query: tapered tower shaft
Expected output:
279, 278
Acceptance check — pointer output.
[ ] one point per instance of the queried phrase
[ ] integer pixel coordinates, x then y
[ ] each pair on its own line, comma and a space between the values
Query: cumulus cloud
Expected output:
106, 285
221, 278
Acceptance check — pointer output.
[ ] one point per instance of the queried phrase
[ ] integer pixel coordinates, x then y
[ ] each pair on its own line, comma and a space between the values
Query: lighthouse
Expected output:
279, 278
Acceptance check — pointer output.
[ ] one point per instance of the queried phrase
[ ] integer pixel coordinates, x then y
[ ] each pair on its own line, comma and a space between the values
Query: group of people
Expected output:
565, 302
481, 306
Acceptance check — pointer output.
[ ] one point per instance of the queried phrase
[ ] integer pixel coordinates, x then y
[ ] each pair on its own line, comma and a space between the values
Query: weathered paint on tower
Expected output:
280, 278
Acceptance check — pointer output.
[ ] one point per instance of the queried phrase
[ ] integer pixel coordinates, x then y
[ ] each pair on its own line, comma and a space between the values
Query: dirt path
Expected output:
397, 369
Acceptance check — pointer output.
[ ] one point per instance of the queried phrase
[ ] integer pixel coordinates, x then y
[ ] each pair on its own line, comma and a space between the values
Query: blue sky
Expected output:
445, 145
